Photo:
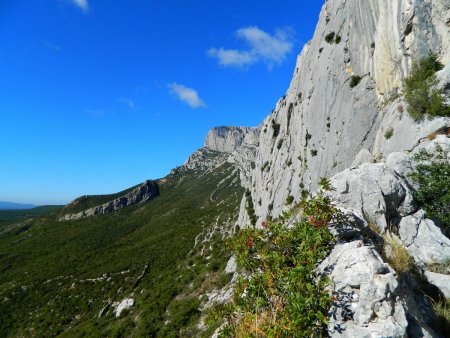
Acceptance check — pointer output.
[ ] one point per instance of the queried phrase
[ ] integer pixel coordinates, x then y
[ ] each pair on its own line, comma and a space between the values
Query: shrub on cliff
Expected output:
421, 94
433, 178
283, 295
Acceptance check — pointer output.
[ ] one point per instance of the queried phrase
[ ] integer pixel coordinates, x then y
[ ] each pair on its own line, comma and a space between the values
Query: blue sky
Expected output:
97, 96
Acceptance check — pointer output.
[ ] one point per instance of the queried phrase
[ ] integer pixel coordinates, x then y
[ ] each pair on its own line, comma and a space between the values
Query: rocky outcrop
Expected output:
124, 305
145, 192
371, 299
228, 139
343, 115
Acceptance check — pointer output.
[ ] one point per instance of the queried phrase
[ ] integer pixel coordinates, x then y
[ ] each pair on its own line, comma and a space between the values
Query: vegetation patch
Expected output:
275, 129
330, 37
284, 296
421, 94
250, 208
279, 144
389, 133
432, 175
396, 254
355, 80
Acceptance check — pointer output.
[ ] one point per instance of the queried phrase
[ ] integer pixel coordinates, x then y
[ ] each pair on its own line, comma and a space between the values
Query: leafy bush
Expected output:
355, 80
250, 208
433, 178
329, 37
338, 39
419, 88
280, 143
389, 133
289, 200
284, 295
276, 129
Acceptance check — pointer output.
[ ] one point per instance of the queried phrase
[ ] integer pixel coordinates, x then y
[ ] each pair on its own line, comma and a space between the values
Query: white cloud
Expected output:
232, 57
187, 95
128, 102
264, 47
82, 4
52, 46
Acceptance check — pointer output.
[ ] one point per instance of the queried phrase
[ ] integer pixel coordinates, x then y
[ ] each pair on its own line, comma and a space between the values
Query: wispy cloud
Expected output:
81, 4
52, 46
187, 95
127, 102
263, 47
95, 112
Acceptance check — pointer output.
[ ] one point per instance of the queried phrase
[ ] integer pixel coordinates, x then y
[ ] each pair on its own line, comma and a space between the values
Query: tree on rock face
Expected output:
421, 94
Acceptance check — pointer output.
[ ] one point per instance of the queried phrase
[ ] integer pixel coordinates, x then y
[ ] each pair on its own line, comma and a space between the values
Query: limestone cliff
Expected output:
144, 192
345, 94
322, 123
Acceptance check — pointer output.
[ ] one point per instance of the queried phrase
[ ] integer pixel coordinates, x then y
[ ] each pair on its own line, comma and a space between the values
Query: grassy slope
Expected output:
44, 269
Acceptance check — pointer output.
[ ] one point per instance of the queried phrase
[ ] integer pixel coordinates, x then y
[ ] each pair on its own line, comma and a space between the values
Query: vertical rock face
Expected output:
327, 117
227, 139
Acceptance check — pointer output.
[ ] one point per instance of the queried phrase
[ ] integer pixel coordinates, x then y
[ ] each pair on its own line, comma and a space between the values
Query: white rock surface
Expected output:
144, 192
125, 304
366, 292
439, 280
228, 139
423, 239
323, 123
375, 191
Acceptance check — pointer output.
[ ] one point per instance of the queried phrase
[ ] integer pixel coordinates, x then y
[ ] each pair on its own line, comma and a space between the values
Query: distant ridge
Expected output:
11, 205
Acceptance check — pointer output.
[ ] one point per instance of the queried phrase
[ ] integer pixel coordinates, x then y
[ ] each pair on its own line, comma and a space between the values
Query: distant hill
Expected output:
14, 215
11, 206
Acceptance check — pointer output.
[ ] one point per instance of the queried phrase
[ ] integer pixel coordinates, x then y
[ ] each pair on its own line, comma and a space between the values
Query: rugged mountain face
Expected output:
144, 192
342, 112
322, 123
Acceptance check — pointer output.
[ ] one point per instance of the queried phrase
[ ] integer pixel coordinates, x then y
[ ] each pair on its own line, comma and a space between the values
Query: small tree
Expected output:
421, 94
432, 176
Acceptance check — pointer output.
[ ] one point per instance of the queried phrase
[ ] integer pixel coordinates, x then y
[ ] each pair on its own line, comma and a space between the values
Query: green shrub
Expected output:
250, 208
276, 129
289, 200
329, 37
355, 80
284, 296
338, 39
313, 152
419, 89
433, 178
389, 133
280, 143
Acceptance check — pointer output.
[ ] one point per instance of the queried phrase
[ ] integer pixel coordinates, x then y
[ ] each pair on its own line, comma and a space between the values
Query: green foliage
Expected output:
250, 208
389, 133
338, 39
313, 152
289, 200
276, 129
355, 80
280, 143
283, 295
330, 37
432, 175
51, 274
419, 89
